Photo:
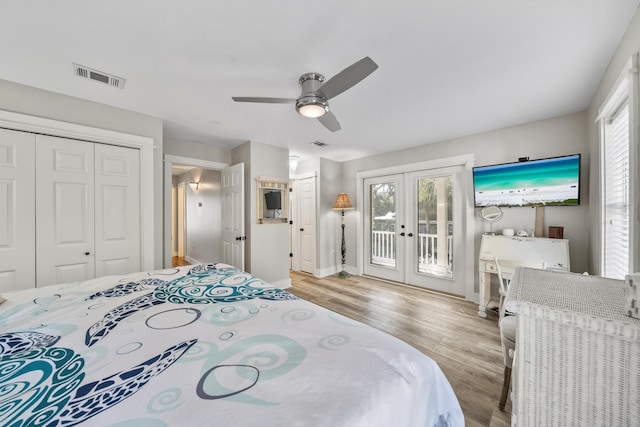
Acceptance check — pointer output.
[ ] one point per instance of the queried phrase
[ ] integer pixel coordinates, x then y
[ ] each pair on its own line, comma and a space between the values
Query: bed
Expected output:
205, 345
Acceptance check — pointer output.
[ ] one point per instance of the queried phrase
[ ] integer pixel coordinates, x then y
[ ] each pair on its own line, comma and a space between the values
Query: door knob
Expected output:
87, 253
410, 234
402, 234
302, 229
238, 238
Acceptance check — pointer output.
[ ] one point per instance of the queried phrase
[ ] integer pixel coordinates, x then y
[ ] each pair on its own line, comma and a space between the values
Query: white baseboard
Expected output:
191, 260
330, 271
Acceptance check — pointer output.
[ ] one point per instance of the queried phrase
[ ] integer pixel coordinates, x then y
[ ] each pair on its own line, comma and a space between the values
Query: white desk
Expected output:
511, 251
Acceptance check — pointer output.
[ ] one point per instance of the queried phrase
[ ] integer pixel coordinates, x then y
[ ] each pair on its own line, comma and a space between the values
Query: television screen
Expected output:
272, 200
552, 182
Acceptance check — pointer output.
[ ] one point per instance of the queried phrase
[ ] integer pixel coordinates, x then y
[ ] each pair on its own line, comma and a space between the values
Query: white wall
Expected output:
328, 247
546, 138
267, 245
36, 102
203, 215
629, 45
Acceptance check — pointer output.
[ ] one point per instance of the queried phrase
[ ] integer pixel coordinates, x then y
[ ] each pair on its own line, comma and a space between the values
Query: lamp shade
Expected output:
342, 203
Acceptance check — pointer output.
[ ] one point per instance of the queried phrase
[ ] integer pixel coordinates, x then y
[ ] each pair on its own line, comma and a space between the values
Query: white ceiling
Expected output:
447, 68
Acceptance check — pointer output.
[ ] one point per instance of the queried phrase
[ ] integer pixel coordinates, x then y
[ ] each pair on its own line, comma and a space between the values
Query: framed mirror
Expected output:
491, 213
272, 196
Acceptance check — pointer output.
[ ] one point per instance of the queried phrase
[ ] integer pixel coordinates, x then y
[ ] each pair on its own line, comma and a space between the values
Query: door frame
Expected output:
466, 160
169, 160
27, 123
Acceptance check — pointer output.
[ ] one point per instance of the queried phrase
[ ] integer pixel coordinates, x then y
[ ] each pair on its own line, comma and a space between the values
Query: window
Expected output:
616, 194
618, 166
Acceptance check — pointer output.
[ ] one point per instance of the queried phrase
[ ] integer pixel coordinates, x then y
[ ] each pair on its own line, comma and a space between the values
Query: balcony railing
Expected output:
383, 250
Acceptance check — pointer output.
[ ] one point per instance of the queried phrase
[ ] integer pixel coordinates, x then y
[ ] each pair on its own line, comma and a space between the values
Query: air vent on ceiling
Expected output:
319, 143
98, 76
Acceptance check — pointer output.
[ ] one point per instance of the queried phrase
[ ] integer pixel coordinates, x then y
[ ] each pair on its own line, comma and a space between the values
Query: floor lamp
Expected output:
342, 204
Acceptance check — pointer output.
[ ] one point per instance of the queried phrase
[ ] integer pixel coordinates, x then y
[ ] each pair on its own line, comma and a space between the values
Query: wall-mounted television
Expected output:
554, 181
273, 200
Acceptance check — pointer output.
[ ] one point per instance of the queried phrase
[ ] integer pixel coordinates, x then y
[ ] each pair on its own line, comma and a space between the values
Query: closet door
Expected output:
117, 220
65, 210
17, 210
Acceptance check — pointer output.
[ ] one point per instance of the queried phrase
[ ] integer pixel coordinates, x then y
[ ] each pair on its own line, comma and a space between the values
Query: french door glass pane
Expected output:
435, 226
383, 224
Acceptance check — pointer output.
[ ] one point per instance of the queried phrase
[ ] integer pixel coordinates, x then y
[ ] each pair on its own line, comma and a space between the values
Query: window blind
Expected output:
616, 194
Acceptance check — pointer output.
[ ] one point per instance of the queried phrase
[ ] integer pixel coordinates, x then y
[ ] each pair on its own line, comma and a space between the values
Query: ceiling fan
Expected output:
317, 91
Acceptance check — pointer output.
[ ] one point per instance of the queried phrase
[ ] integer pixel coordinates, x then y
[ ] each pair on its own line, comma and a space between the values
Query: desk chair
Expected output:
507, 324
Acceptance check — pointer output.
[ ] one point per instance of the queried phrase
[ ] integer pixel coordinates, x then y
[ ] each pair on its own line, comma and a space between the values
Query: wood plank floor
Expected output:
178, 261
443, 327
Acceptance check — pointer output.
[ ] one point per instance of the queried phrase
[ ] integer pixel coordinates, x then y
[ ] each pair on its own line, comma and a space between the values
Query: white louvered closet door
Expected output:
65, 210
17, 210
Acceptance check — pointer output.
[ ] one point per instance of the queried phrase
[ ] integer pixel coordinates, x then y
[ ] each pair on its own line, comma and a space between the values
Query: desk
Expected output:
592, 295
577, 357
512, 251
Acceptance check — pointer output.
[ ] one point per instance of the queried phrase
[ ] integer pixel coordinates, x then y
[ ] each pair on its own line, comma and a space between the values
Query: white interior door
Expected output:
117, 208
233, 234
307, 226
17, 210
65, 215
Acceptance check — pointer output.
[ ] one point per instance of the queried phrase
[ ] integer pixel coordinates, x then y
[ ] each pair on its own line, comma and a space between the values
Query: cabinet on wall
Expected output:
70, 210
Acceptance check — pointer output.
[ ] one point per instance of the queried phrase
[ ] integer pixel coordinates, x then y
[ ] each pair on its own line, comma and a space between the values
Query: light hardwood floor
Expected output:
443, 327
178, 261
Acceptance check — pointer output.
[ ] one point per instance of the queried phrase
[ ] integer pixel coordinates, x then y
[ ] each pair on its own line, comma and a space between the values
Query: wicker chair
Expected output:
572, 369
507, 324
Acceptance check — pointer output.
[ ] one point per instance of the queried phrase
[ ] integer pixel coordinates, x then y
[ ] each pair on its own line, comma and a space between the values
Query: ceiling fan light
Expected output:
312, 107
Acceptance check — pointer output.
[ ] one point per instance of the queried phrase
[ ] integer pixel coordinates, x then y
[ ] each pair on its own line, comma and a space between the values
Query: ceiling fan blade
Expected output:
263, 100
348, 77
330, 122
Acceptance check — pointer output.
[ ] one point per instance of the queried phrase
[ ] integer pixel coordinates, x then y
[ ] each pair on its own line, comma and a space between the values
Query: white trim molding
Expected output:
26, 123
626, 86
207, 164
169, 160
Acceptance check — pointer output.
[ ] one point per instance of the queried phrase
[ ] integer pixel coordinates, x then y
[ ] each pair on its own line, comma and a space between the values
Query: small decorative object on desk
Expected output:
556, 232
632, 295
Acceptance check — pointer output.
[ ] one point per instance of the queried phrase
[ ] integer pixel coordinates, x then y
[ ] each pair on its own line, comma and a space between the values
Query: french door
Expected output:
413, 228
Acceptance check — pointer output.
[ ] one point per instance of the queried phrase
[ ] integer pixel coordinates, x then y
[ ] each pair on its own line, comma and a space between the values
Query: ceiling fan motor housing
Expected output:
311, 102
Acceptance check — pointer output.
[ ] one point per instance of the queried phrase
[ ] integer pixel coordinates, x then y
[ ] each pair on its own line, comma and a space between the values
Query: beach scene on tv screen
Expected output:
540, 182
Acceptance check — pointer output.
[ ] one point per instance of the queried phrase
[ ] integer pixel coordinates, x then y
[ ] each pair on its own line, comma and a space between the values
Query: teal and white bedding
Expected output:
205, 345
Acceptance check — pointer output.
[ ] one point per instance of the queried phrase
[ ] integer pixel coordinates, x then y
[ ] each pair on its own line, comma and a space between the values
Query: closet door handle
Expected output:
402, 234
410, 234
87, 253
